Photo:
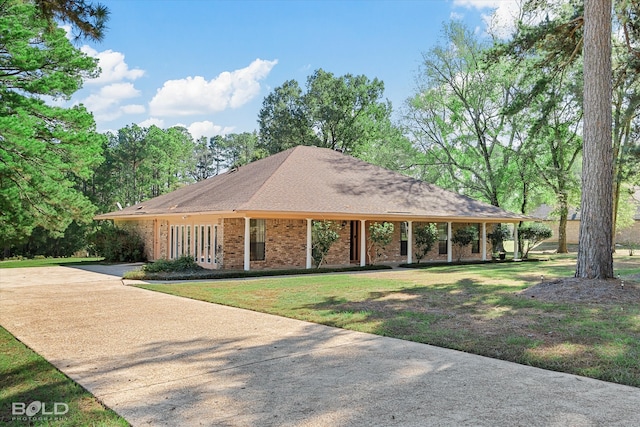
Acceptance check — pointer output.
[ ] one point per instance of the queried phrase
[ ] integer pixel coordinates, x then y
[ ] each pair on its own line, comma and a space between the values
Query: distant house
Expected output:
260, 216
549, 216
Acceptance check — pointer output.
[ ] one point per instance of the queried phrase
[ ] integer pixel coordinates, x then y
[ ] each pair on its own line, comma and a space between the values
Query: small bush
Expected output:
463, 237
380, 235
324, 235
117, 244
530, 235
183, 264
426, 237
499, 234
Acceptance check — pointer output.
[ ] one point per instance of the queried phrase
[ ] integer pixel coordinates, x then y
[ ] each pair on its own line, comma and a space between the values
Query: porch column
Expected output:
483, 242
247, 244
515, 241
410, 241
363, 243
309, 254
449, 245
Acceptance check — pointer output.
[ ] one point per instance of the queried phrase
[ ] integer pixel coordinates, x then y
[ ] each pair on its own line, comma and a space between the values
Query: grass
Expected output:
47, 262
25, 377
473, 308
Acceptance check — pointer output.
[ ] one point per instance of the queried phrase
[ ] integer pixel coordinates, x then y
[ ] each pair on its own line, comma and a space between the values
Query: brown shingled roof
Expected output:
318, 181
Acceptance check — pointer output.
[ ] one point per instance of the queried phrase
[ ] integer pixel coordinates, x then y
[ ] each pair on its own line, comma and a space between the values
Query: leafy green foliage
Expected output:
463, 237
529, 235
340, 113
425, 236
456, 118
117, 244
183, 264
380, 235
323, 235
42, 243
142, 163
499, 234
45, 150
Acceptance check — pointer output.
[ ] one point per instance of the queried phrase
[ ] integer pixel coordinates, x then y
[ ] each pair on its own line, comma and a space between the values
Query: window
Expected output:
188, 247
257, 235
172, 243
202, 244
404, 237
215, 243
442, 238
475, 245
196, 242
208, 244
181, 241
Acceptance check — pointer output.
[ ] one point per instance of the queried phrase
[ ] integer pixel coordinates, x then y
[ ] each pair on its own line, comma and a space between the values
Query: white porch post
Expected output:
483, 242
410, 241
449, 245
363, 243
247, 244
309, 254
515, 241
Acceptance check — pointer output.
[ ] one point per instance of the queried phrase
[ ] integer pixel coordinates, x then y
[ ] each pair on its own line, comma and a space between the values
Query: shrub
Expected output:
380, 235
324, 235
463, 237
183, 264
499, 234
426, 237
532, 234
117, 244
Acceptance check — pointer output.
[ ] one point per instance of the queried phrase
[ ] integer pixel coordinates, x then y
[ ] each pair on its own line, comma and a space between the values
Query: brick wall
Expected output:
233, 244
339, 253
285, 244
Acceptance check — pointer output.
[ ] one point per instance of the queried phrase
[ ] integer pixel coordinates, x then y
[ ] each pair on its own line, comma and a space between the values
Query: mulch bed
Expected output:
610, 291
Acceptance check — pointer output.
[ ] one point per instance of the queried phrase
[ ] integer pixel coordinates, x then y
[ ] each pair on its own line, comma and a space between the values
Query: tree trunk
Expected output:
562, 227
595, 258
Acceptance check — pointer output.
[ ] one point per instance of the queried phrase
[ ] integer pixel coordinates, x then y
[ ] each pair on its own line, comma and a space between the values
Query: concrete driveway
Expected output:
161, 360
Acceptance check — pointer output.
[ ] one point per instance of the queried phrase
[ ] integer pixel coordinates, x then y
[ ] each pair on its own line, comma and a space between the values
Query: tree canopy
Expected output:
45, 150
88, 19
340, 113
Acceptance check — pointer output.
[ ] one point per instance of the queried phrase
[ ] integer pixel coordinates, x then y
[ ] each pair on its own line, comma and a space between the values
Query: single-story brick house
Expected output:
259, 216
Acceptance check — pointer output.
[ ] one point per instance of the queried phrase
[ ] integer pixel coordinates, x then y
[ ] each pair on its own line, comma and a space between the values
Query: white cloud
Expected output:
105, 104
152, 121
208, 129
113, 67
196, 95
133, 109
501, 22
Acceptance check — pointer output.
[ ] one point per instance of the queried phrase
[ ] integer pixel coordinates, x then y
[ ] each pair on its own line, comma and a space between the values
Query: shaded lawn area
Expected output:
26, 377
474, 308
47, 262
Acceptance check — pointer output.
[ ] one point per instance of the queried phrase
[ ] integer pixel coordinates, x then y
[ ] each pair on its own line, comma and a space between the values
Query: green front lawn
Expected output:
473, 308
25, 377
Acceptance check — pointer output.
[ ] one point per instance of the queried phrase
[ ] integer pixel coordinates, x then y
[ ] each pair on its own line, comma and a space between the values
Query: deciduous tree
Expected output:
340, 113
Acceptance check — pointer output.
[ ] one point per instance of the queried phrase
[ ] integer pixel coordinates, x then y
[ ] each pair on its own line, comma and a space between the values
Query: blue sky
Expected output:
208, 64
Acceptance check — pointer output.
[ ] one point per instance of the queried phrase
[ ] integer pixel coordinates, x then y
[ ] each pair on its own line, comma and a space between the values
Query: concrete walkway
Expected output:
161, 360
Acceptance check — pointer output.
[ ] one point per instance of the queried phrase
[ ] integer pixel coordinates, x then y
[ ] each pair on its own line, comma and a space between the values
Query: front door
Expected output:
355, 242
